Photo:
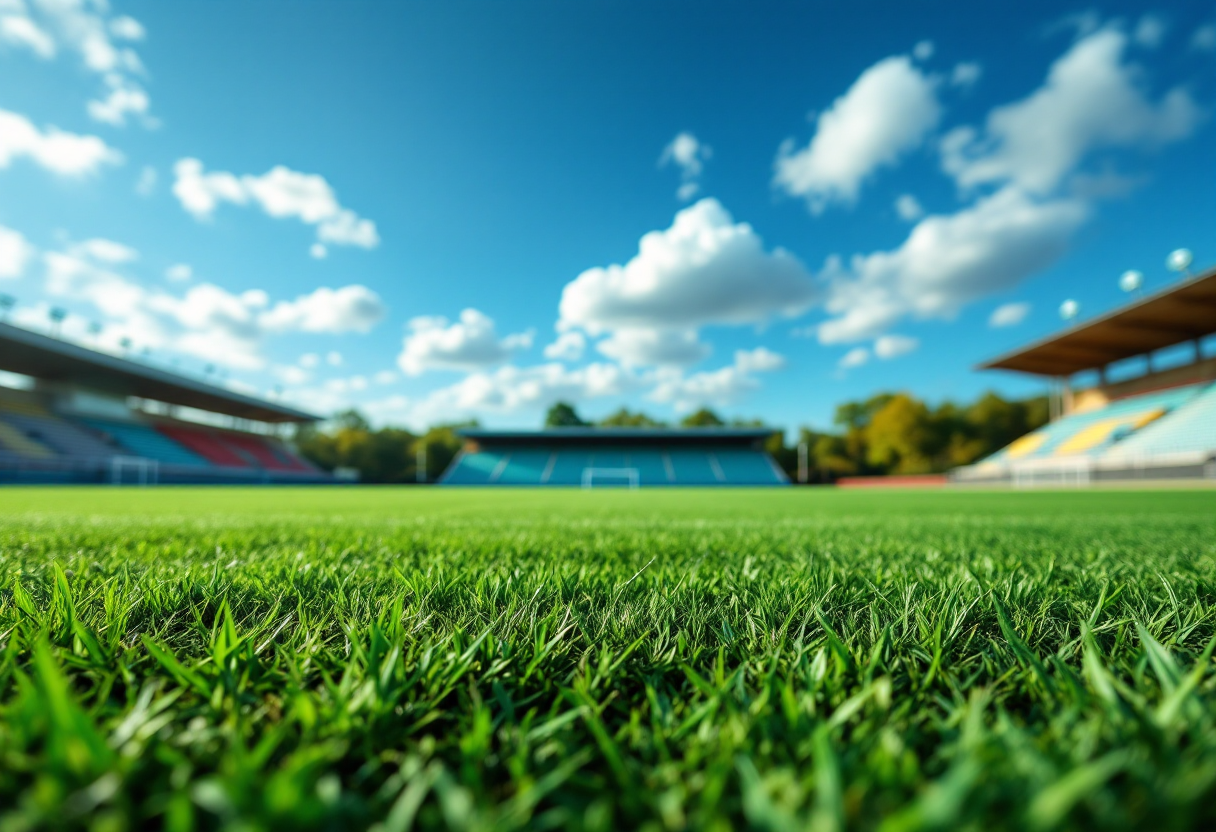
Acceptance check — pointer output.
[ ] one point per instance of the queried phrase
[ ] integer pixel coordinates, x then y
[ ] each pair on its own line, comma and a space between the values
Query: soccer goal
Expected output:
143, 471
610, 478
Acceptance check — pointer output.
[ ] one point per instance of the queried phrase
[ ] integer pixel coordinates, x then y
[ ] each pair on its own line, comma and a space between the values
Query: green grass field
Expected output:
442, 659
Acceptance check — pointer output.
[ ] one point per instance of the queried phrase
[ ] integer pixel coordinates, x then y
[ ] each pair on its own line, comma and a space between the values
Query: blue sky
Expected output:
441, 210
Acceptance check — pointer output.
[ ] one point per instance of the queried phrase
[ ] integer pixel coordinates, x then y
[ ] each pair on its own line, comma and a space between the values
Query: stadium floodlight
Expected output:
1131, 280
56, 314
1180, 261
124, 343
1069, 309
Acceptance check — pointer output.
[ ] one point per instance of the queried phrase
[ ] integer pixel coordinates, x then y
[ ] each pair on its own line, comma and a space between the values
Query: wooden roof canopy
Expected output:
1183, 312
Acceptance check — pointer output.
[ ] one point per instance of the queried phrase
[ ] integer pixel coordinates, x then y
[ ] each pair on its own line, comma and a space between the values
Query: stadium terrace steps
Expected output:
1097, 431
205, 444
1191, 428
144, 441
60, 435
12, 439
569, 467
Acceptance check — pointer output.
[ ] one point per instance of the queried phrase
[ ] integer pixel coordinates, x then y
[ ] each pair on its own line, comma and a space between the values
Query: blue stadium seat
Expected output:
746, 468
473, 469
524, 468
1190, 428
144, 441
650, 467
568, 468
693, 467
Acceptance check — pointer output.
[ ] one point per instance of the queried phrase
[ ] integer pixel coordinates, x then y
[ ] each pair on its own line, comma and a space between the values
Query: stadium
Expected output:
1151, 423
91, 417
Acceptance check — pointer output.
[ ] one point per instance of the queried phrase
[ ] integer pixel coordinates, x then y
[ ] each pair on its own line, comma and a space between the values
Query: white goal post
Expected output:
611, 476
147, 471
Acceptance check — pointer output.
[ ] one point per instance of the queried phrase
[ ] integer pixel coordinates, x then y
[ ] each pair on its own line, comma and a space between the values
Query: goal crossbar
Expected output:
614, 476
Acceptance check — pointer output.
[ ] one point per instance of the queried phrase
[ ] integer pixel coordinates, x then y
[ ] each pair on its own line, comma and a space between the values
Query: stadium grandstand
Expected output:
622, 457
1158, 423
91, 417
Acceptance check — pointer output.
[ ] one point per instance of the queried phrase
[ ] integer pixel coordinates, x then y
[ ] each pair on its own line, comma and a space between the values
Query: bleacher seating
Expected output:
144, 441
55, 433
206, 444
1096, 431
263, 456
1191, 428
653, 466
14, 441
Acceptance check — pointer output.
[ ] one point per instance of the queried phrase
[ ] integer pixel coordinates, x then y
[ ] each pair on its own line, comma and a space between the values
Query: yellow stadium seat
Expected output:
1099, 432
1026, 445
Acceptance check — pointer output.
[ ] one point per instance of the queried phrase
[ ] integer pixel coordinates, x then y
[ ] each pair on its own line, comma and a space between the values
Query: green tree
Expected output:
625, 418
563, 415
703, 418
898, 436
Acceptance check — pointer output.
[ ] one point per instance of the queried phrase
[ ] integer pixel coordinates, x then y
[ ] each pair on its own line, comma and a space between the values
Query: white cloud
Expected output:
965, 74
1150, 31
893, 346
720, 387
281, 193
15, 252
854, 358
146, 184
909, 208
333, 358
309, 360
1091, 100
689, 154
104, 251
1008, 314
19, 30
888, 112
923, 51
179, 273
1204, 38
646, 347
123, 99
385, 377
63, 153
318, 251
513, 389
468, 344
48, 26
352, 308
948, 261
293, 375
569, 346
704, 269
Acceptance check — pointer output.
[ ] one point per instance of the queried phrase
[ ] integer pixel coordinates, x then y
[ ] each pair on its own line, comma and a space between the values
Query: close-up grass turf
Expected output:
786, 659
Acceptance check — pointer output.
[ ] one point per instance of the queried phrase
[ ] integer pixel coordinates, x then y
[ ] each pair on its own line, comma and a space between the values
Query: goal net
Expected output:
610, 478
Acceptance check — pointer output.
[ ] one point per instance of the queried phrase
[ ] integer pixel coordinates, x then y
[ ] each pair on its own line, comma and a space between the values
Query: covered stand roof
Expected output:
1180, 313
618, 436
50, 359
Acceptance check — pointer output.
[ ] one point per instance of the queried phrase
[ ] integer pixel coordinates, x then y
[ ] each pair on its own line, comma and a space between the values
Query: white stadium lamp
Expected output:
1180, 261
1069, 309
1131, 280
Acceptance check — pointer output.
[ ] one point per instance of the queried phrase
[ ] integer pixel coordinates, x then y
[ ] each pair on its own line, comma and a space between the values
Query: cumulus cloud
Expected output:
512, 389
1204, 39
909, 208
720, 387
1149, 31
704, 269
645, 347
688, 154
1092, 99
893, 346
179, 273
104, 251
854, 358
1008, 314
15, 252
965, 74
469, 344
146, 184
947, 261
58, 151
281, 193
887, 113
46, 27
352, 308
569, 346
924, 50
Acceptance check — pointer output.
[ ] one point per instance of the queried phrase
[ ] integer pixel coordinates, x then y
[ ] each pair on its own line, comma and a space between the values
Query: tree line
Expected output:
890, 433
